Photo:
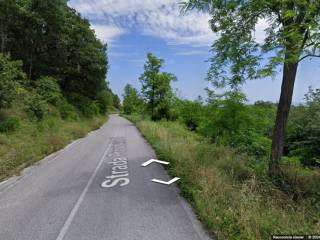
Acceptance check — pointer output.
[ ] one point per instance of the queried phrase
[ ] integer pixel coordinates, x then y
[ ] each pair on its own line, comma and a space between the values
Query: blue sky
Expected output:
133, 28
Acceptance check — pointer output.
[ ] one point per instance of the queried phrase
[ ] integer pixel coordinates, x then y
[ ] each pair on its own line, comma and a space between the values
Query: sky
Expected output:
133, 28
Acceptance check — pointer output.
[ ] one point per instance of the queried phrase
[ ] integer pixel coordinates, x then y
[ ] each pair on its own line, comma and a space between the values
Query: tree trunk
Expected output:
289, 76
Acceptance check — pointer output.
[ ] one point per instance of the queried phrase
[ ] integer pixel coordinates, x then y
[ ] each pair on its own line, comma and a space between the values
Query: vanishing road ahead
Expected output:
96, 189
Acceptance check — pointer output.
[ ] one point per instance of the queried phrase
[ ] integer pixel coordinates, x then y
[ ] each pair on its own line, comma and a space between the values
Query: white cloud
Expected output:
193, 52
107, 34
158, 18
260, 31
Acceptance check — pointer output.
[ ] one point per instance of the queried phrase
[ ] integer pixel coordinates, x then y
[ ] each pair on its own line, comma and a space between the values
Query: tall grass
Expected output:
35, 140
228, 190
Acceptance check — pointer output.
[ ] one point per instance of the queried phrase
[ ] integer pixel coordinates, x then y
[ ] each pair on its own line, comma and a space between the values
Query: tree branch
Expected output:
309, 55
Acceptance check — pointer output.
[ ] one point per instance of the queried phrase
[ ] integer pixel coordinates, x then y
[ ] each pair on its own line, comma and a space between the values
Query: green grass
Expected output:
230, 191
35, 140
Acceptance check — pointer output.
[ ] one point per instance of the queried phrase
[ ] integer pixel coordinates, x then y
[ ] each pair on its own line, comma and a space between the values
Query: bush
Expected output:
190, 113
8, 124
67, 111
49, 89
104, 100
252, 143
10, 76
36, 107
87, 106
303, 135
90, 109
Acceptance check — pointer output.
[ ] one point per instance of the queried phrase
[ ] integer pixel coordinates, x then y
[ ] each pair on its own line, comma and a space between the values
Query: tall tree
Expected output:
156, 87
131, 100
293, 35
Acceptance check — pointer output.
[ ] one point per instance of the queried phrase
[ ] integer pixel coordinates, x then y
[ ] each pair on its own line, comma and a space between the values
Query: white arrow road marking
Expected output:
153, 160
166, 183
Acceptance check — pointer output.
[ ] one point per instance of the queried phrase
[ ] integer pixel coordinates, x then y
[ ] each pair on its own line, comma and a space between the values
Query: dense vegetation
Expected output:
52, 75
220, 147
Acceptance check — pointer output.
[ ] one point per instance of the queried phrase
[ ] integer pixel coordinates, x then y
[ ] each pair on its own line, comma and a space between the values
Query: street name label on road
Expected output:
153, 160
119, 170
166, 183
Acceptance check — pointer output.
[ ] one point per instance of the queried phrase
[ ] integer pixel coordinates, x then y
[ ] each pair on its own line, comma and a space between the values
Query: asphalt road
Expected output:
95, 189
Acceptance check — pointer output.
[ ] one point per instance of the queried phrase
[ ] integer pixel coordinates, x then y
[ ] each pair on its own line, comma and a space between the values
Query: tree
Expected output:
156, 88
116, 101
293, 35
132, 103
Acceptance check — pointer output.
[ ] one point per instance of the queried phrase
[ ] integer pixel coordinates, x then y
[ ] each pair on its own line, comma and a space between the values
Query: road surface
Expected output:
96, 189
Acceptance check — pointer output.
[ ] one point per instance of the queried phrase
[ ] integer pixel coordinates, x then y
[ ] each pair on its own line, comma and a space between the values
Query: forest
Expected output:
53, 88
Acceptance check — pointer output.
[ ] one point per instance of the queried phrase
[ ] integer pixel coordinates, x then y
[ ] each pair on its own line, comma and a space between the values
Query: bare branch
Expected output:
309, 55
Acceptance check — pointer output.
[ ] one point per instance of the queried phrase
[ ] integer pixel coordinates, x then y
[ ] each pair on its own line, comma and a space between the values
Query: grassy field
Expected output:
35, 140
228, 190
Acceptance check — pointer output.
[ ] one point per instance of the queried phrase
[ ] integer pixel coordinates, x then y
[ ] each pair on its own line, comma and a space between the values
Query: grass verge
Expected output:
228, 189
35, 140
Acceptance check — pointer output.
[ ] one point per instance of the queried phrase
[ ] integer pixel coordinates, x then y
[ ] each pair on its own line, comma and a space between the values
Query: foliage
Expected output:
156, 88
49, 89
59, 45
67, 111
132, 102
104, 100
293, 34
36, 107
10, 75
7, 123
116, 101
303, 138
226, 116
190, 113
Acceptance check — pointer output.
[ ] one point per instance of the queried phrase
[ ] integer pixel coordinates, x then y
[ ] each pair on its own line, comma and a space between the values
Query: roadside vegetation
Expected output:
229, 190
220, 147
52, 81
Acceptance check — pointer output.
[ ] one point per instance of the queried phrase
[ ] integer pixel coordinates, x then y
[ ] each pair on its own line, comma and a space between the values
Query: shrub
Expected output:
252, 143
10, 76
36, 107
104, 100
87, 106
90, 109
67, 111
49, 89
303, 135
190, 113
225, 116
8, 124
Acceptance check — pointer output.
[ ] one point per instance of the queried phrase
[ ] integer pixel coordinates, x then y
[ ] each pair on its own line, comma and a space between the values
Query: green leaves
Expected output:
156, 88
237, 56
132, 102
11, 76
